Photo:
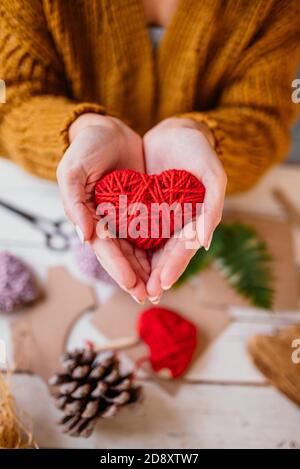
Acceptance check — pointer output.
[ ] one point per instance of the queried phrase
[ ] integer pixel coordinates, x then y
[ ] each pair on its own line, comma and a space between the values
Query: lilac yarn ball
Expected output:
88, 263
17, 284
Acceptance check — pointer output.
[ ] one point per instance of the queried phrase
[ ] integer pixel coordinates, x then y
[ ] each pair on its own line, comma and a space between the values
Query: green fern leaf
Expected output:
243, 259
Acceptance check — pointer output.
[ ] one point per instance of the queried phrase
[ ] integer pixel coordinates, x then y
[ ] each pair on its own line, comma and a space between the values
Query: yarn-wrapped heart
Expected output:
171, 338
146, 219
18, 286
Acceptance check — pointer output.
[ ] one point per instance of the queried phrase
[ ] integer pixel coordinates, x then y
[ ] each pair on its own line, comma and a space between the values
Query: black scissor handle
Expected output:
56, 237
57, 242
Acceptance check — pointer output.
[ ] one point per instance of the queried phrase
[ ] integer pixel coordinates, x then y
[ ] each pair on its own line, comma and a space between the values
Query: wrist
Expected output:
205, 130
190, 123
201, 127
92, 120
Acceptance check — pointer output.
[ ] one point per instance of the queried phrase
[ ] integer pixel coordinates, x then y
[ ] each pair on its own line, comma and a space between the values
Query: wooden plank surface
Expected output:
232, 406
199, 416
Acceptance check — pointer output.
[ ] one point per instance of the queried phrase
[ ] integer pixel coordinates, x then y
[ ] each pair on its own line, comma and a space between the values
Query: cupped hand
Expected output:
177, 143
100, 144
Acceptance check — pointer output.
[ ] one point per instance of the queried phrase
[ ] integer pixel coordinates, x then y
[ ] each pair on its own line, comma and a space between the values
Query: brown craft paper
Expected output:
118, 318
40, 333
278, 236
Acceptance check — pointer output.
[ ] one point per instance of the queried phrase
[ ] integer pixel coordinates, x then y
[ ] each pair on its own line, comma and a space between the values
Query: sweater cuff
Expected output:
77, 111
212, 124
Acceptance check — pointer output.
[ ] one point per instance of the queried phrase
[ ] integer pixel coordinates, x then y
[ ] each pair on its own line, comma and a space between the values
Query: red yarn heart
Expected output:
153, 227
172, 339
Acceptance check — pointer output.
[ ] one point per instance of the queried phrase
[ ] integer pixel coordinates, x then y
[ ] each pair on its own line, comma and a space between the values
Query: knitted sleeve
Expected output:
38, 110
254, 110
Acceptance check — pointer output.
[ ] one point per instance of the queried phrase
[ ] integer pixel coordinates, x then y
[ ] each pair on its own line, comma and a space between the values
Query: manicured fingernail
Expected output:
140, 302
209, 243
79, 234
155, 299
166, 287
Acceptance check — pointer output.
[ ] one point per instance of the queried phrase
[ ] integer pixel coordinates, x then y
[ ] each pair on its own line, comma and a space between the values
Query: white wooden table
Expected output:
231, 407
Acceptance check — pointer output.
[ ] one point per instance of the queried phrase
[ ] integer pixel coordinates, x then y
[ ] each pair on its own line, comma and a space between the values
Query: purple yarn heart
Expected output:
17, 284
88, 263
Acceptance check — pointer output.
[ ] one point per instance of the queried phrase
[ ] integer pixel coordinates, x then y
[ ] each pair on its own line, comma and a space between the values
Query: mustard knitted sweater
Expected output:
229, 63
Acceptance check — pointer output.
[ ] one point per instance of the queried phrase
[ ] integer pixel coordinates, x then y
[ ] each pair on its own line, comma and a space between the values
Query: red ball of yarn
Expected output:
171, 339
152, 226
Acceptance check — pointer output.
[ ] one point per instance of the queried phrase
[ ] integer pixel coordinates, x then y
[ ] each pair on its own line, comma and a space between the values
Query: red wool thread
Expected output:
171, 339
153, 226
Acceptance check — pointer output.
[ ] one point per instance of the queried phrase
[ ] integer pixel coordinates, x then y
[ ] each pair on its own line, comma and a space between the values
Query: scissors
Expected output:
57, 234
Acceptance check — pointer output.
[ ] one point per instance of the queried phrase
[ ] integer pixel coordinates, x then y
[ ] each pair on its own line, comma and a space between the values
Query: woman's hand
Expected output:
184, 144
100, 144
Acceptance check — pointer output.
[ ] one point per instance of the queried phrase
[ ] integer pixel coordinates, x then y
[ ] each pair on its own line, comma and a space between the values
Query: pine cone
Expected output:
91, 387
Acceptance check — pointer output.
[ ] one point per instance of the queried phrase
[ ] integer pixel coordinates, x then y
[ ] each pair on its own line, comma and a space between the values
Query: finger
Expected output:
130, 254
72, 189
212, 208
154, 285
139, 292
112, 259
154, 289
177, 260
142, 257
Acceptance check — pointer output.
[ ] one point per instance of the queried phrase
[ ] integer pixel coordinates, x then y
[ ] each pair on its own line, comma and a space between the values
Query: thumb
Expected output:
72, 186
